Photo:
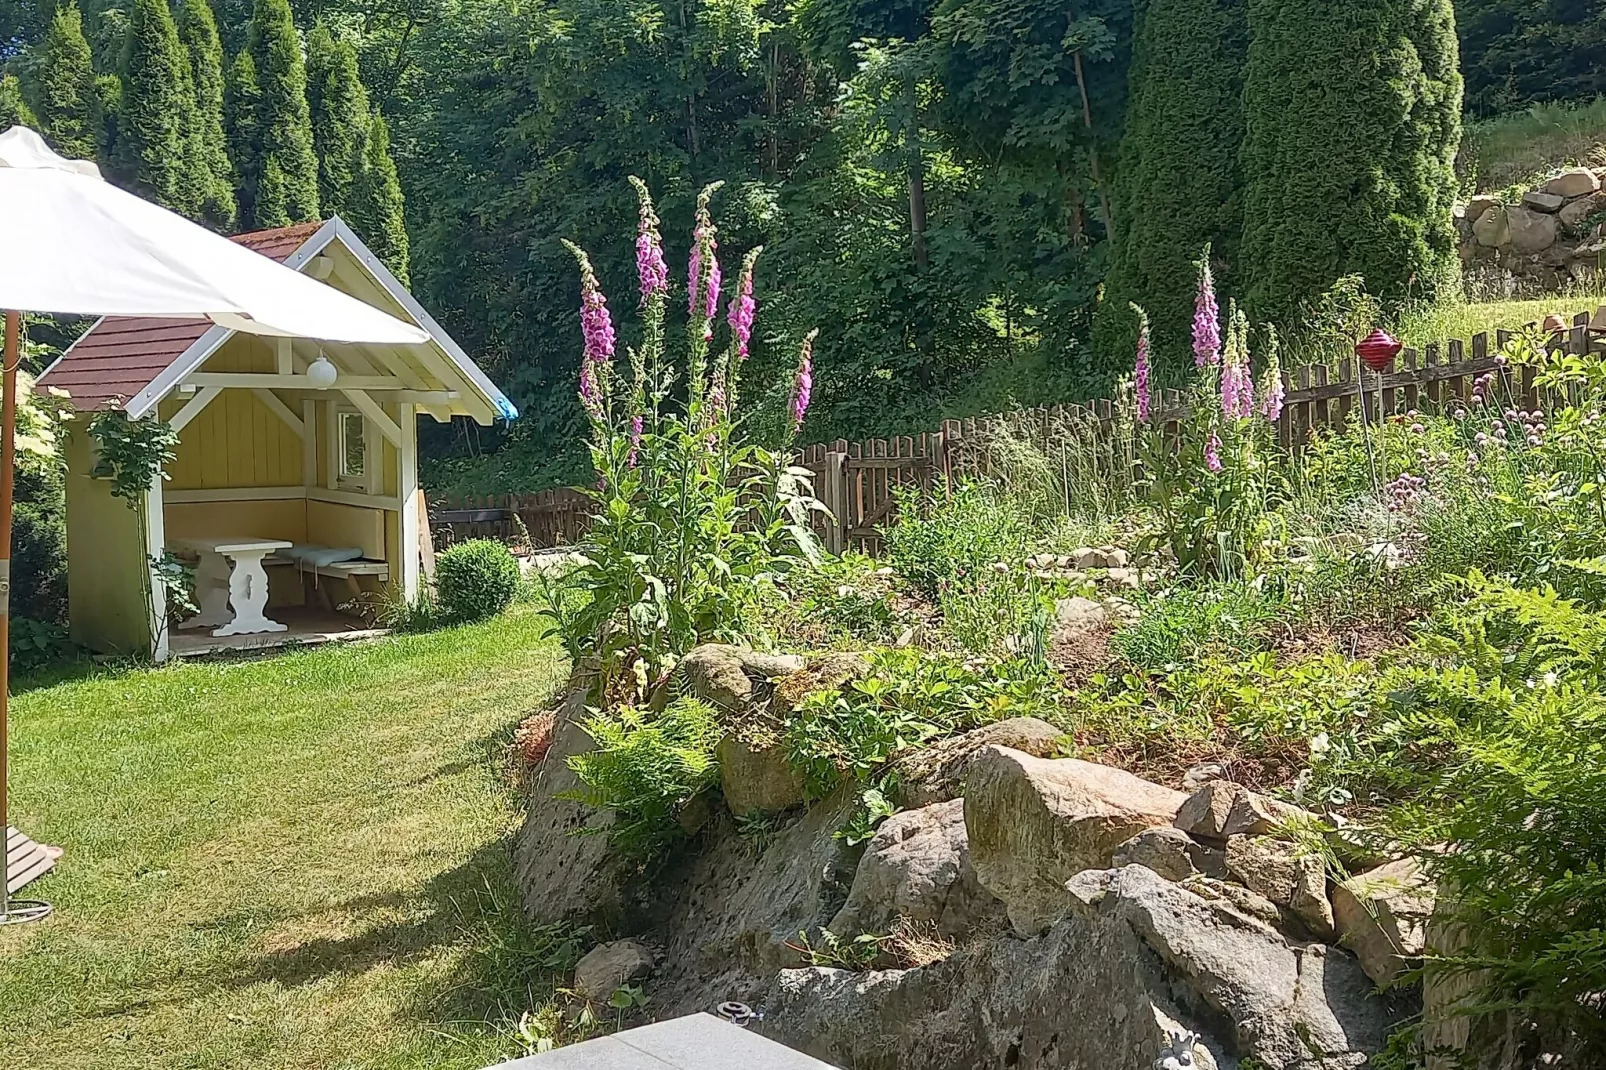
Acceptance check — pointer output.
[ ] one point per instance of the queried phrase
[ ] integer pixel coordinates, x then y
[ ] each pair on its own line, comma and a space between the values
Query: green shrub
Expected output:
908, 698
1178, 188
955, 539
646, 767
1497, 747
844, 599
476, 580
1352, 120
1191, 624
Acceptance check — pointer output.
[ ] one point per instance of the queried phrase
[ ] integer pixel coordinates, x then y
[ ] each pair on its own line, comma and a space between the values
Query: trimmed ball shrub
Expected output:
476, 580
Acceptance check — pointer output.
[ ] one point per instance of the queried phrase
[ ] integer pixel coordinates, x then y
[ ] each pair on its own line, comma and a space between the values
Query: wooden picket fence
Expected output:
860, 482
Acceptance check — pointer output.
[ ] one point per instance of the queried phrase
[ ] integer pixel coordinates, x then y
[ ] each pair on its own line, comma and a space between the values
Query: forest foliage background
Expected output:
934, 181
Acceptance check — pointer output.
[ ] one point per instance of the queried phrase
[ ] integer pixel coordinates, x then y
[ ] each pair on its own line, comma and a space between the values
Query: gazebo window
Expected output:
353, 447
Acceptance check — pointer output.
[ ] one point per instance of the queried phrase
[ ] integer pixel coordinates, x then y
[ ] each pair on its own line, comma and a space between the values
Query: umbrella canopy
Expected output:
77, 245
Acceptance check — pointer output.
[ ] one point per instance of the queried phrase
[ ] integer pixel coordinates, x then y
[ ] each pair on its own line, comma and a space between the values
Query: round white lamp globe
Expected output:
322, 373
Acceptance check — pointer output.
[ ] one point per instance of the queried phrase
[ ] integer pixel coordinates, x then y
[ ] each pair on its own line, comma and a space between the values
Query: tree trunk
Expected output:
917, 183
1093, 151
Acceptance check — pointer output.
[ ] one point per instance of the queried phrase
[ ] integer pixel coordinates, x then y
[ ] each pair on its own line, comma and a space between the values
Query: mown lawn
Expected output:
294, 862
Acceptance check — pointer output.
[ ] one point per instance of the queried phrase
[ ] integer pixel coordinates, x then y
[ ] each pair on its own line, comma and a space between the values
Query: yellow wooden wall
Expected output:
107, 601
236, 441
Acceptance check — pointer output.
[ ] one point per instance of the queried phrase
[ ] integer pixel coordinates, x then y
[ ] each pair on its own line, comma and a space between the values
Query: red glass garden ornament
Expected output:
1378, 350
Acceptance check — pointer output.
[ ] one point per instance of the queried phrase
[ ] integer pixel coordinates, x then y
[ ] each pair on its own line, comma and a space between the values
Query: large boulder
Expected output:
1279, 871
1382, 916
823, 672
917, 866
730, 676
1479, 205
936, 773
1034, 823
565, 870
1166, 850
608, 966
1137, 960
1573, 183
1543, 202
1576, 213
1531, 231
756, 777
730, 915
1492, 228
1221, 809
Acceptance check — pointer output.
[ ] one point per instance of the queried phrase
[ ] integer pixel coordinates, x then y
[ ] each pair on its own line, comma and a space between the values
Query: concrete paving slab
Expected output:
695, 1042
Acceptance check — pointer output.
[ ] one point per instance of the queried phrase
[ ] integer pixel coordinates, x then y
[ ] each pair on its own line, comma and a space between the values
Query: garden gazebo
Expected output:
294, 485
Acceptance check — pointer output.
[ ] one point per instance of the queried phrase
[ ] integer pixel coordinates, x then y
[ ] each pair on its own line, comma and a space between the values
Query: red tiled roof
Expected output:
120, 355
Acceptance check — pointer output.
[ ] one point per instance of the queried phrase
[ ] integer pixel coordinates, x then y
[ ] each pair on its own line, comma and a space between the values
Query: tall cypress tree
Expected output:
242, 102
1178, 185
1353, 118
14, 111
63, 88
197, 29
155, 111
381, 212
340, 119
287, 184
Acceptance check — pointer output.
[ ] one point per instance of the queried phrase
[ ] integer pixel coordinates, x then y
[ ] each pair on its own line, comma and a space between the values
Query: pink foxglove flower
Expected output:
1206, 318
1140, 369
1273, 392
804, 388
1213, 451
703, 267
596, 328
650, 266
1237, 385
635, 441
742, 307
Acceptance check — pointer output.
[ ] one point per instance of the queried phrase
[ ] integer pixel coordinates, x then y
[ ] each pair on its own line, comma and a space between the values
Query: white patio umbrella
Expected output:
76, 245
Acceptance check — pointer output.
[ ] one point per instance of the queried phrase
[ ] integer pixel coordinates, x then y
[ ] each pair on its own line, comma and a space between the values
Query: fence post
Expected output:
834, 496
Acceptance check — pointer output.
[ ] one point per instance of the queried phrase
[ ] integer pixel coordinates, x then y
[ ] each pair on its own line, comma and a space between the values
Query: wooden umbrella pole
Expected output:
8, 449
12, 910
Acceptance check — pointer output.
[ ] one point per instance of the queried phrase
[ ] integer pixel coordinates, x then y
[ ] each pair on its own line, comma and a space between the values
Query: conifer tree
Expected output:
1178, 184
1353, 118
287, 184
155, 111
64, 86
381, 214
340, 120
242, 99
197, 29
14, 111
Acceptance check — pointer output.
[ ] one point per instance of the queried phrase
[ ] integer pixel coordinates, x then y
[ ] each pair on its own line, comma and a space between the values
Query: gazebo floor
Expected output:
308, 627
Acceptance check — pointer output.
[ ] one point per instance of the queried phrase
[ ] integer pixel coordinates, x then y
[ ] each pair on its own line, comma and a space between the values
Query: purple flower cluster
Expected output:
1237, 386
1273, 391
650, 266
743, 307
1213, 451
1206, 318
1481, 387
804, 388
635, 441
1140, 369
703, 275
596, 327
1405, 492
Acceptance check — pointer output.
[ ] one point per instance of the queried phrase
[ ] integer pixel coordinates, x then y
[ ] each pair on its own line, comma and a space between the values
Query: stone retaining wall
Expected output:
1555, 237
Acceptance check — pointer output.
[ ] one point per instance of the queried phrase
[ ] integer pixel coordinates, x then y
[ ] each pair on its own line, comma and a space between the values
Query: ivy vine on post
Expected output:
133, 454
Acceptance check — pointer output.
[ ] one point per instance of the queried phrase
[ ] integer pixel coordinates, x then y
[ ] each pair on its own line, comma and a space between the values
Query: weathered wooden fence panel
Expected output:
860, 482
